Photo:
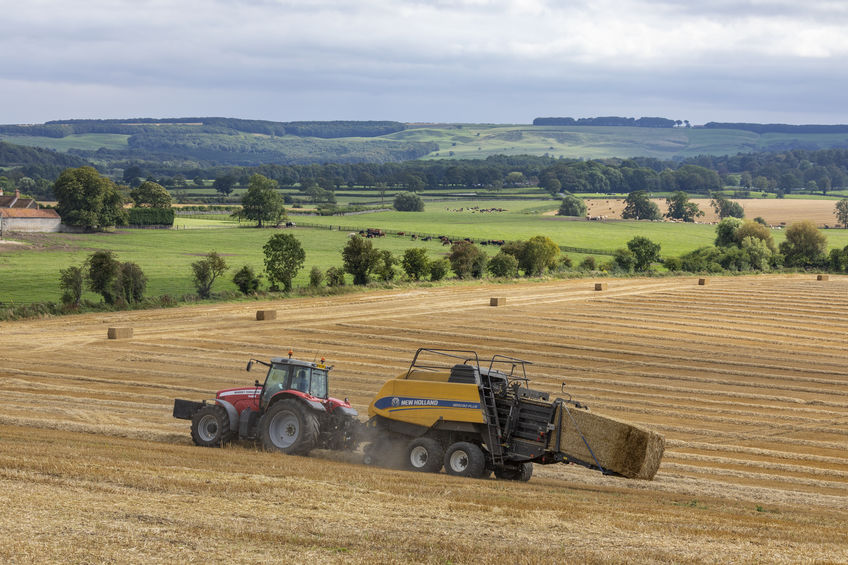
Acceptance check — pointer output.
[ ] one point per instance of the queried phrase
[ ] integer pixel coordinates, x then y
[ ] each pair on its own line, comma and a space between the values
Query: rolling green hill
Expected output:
209, 142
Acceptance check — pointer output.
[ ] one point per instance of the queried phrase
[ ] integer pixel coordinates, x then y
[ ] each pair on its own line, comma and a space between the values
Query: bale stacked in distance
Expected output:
266, 315
119, 333
703, 282
621, 448
822, 278
497, 301
600, 286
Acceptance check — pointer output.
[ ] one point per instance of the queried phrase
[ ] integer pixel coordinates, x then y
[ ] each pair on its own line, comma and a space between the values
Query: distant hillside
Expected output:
37, 162
132, 126
204, 142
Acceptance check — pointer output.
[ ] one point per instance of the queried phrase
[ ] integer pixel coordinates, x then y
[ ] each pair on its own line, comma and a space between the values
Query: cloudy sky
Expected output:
500, 61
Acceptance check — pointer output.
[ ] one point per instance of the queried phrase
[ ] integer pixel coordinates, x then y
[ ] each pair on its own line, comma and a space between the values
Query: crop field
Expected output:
773, 211
745, 377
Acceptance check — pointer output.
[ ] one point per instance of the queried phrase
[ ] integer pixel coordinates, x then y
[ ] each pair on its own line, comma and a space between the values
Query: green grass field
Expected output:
87, 141
31, 273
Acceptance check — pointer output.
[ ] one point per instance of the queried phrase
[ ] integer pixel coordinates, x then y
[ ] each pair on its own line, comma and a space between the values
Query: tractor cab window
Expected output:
318, 385
275, 381
308, 380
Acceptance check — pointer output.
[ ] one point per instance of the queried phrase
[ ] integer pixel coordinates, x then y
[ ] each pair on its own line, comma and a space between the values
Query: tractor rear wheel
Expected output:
290, 427
522, 473
210, 426
465, 459
425, 454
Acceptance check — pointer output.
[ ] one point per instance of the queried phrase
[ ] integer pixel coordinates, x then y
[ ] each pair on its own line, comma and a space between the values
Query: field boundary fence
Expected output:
452, 237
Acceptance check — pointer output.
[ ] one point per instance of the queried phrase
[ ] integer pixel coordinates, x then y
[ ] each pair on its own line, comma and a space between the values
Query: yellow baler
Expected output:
449, 410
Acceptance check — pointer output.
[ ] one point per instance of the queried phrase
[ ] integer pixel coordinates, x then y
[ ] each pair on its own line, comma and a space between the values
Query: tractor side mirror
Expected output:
256, 383
249, 365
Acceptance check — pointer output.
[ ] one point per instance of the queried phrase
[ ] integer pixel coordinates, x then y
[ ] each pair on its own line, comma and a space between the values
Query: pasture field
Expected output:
744, 376
86, 141
30, 273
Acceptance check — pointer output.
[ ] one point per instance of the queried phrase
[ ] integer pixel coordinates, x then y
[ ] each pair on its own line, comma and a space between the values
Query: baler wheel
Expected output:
465, 459
522, 473
425, 454
290, 427
210, 426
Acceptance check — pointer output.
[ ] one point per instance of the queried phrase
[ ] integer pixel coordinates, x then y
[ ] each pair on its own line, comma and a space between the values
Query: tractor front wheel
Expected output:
290, 427
425, 454
465, 459
210, 426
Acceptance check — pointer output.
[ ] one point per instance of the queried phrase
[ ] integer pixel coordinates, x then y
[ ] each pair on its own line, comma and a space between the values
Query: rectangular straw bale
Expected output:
600, 286
497, 301
119, 333
822, 278
266, 314
703, 282
619, 447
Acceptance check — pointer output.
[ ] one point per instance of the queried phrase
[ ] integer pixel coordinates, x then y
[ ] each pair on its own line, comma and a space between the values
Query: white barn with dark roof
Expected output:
24, 215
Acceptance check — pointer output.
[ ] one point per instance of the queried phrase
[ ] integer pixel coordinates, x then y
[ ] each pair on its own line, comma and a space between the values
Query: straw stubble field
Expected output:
745, 377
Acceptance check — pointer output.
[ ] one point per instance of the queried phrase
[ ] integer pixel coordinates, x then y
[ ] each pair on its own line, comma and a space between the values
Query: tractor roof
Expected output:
298, 362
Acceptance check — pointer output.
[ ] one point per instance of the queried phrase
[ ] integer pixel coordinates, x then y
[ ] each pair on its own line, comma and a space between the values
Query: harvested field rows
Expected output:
745, 378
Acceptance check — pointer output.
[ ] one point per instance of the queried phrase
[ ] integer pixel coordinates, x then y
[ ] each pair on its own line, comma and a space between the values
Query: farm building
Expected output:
24, 215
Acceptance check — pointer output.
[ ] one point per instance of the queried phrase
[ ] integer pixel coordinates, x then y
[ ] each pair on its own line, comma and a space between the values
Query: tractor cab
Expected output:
287, 374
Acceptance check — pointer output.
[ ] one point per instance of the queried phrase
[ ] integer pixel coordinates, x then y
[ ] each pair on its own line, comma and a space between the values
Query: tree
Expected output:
467, 260
726, 232
335, 276
385, 269
538, 254
225, 183
572, 206
100, 272
408, 202
87, 199
838, 259
680, 208
842, 212
360, 259
415, 263
206, 271
71, 282
755, 230
639, 207
439, 269
284, 257
726, 208
262, 202
130, 283
503, 265
246, 280
804, 246
644, 252
151, 194
624, 260
552, 185
316, 277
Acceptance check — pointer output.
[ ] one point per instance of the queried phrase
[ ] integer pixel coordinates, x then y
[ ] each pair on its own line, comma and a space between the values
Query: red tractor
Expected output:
290, 412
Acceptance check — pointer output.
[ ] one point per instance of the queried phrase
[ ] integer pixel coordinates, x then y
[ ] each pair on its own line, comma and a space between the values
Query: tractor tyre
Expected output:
522, 473
210, 426
290, 427
425, 454
465, 459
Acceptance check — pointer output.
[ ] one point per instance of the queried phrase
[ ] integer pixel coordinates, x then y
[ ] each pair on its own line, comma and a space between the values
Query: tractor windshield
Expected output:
310, 381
